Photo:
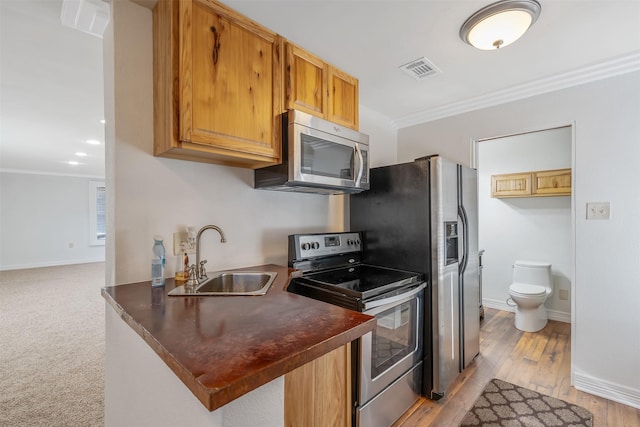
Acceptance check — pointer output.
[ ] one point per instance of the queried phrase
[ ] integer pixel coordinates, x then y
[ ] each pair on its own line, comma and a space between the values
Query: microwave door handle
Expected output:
360, 165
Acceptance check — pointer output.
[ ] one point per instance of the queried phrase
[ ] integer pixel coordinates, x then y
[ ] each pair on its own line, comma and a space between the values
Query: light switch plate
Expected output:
599, 210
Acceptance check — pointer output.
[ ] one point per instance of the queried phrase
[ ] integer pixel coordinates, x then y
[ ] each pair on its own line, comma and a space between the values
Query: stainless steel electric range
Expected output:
387, 363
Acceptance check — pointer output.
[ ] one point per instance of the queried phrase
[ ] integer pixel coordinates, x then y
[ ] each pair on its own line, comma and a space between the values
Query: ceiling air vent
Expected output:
420, 69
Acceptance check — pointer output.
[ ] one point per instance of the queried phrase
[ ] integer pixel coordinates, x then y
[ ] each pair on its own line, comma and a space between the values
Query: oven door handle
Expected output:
396, 299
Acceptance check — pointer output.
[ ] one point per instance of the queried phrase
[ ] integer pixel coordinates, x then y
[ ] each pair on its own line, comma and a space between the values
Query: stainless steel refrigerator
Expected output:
423, 216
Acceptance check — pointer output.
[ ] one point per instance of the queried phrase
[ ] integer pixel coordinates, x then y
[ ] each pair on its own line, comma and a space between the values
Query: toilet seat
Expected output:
527, 290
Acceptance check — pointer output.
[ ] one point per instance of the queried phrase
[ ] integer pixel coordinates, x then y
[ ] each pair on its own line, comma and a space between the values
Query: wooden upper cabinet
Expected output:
306, 81
343, 98
511, 185
532, 184
320, 89
552, 183
217, 85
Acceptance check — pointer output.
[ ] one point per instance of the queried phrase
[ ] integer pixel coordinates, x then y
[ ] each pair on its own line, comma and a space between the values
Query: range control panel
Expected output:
320, 245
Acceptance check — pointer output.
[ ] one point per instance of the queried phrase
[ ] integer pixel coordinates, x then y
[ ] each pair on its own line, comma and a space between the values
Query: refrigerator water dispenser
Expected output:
451, 242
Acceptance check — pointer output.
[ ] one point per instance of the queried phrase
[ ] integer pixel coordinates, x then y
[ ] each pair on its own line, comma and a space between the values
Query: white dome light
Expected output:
500, 24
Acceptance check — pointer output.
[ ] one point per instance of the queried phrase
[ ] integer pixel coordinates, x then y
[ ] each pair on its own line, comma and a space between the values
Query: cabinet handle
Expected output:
216, 45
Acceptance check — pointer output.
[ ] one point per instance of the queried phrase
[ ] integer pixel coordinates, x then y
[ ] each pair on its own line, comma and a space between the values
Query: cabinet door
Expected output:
318, 394
230, 83
511, 185
343, 98
306, 81
552, 183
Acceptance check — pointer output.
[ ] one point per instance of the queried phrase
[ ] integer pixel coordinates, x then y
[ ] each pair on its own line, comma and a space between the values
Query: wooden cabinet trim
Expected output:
185, 76
231, 14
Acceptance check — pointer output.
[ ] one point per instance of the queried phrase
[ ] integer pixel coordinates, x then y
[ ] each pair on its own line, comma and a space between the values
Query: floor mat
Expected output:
503, 404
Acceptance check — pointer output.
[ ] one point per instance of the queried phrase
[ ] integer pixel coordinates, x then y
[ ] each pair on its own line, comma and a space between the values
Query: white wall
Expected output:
41, 217
533, 228
141, 391
606, 288
155, 195
383, 137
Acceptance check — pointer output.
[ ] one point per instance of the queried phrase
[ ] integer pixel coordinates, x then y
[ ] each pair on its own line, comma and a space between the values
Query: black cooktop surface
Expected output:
362, 280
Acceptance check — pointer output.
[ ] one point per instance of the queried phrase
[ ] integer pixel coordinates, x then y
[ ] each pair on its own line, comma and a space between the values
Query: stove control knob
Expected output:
358, 242
350, 242
305, 246
315, 245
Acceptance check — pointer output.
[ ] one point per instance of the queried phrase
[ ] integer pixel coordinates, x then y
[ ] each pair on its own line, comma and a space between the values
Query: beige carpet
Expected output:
503, 404
52, 346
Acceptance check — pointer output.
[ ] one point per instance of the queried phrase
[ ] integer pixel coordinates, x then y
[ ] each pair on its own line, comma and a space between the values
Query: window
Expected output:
97, 209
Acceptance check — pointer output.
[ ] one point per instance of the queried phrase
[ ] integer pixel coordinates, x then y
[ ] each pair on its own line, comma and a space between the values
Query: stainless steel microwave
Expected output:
318, 157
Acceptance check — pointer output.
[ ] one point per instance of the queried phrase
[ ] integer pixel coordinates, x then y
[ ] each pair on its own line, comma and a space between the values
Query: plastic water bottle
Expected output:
157, 262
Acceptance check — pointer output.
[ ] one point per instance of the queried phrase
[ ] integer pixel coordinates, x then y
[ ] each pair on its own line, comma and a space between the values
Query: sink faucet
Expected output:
200, 270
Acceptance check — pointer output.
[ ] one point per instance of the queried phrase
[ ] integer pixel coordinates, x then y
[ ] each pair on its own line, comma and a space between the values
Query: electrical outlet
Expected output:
563, 294
181, 243
601, 210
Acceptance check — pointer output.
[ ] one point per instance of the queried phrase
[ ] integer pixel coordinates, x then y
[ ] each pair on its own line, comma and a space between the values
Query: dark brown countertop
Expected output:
223, 347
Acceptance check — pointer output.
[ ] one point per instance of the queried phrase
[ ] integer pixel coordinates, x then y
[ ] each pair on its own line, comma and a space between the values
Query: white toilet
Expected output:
532, 285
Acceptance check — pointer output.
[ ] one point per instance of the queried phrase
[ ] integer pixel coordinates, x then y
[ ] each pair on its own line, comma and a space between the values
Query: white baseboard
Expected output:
616, 392
560, 316
50, 264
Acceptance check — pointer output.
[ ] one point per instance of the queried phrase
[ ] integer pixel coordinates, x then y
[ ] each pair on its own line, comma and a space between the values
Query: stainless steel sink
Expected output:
223, 283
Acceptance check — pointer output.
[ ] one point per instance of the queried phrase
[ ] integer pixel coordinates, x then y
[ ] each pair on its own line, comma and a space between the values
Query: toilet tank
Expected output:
532, 272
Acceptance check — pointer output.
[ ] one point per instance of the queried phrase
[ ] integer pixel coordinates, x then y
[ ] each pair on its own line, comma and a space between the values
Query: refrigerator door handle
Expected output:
465, 239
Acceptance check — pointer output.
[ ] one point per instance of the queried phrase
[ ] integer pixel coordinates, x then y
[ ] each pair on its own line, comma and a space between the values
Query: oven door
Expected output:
395, 346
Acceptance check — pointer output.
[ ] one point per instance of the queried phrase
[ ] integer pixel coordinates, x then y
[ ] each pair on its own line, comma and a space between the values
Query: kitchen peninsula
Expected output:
231, 353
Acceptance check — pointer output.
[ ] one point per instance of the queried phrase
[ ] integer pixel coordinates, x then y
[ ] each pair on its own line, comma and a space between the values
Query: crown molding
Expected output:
603, 70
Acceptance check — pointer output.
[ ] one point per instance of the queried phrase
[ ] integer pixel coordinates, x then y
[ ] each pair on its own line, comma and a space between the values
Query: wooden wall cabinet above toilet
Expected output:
552, 183
532, 184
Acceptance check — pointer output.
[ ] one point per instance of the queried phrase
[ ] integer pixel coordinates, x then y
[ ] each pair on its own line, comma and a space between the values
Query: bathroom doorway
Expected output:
525, 228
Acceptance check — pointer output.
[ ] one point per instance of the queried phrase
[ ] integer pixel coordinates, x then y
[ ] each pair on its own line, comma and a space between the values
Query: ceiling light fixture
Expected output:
500, 24
73, 163
92, 142
81, 154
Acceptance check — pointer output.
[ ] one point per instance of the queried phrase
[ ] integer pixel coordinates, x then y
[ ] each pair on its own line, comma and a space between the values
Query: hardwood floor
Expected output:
540, 361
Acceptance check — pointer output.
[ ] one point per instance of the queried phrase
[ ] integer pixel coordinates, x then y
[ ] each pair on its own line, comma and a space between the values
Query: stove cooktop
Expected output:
362, 281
